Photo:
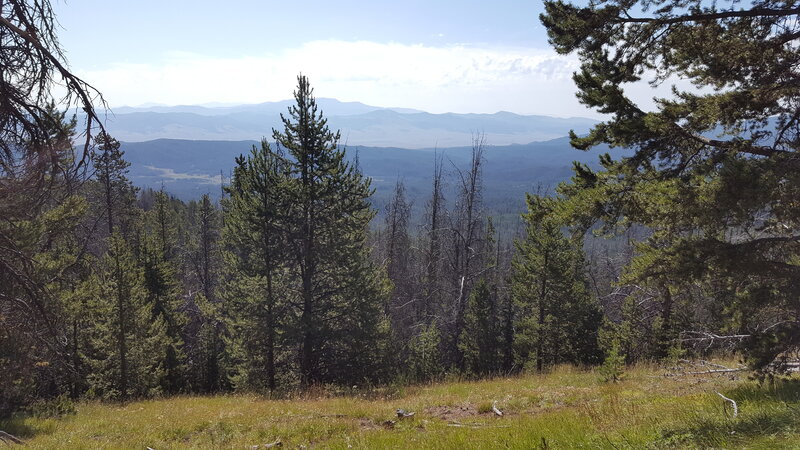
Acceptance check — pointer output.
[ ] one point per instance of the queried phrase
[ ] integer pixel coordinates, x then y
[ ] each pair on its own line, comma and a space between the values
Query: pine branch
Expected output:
755, 12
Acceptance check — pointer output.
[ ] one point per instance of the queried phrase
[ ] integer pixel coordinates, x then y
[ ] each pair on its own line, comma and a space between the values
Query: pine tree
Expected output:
559, 320
479, 341
423, 361
113, 192
127, 343
713, 175
254, 236
40, 263
158, 260
340, 294
204, 263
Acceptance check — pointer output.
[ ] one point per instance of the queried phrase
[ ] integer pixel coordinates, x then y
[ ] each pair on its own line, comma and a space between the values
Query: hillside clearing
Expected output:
567, 408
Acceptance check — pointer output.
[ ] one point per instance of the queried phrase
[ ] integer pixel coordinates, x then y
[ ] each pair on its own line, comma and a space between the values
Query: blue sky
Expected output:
439, 56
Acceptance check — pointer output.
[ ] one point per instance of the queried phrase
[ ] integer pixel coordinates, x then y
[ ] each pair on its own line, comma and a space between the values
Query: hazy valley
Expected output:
360, 124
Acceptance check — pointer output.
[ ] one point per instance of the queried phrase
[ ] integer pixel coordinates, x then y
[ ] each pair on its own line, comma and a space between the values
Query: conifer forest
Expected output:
289, 278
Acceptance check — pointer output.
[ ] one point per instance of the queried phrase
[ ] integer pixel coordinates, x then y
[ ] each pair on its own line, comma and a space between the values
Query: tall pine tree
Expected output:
340, 295
158, 258
254, 234
207, 348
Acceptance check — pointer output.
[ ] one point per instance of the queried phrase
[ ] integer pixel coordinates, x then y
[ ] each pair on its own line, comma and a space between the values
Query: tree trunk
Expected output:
270, 332
542, 315
121, 332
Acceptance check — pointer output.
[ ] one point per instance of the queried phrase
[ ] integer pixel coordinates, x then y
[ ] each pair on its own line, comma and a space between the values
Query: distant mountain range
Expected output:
190, 168
329, 106
360, 124
190, 149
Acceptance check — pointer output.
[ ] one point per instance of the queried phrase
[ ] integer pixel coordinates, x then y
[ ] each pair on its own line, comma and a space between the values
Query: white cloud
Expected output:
437, 79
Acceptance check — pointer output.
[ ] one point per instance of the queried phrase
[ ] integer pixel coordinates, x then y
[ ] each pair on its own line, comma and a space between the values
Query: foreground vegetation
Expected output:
566, 408
109, 293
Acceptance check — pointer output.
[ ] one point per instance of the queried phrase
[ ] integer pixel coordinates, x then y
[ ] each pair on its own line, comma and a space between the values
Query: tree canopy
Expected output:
713, 176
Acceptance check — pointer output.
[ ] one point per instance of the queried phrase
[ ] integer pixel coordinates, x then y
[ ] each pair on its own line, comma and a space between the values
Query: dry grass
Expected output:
566, 408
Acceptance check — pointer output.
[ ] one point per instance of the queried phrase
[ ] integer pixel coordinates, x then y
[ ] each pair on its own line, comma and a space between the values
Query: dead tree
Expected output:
402, 307
33, 62
436, 211
466, 237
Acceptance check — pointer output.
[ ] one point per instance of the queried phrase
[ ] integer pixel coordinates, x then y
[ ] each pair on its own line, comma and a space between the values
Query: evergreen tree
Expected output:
164, 294
714, 171
340, 294
33, 63
112, 192
559, 320
127, 343
423, 361
40, 264
208, 327
506, 319
479, 341
254, 235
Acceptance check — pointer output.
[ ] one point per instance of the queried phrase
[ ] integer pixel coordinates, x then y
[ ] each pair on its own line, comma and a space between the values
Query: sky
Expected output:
465, 56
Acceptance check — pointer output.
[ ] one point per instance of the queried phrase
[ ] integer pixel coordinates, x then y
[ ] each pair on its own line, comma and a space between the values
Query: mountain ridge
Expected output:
359, 123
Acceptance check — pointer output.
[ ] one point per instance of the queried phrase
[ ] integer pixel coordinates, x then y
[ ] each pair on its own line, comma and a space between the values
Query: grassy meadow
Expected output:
566, 408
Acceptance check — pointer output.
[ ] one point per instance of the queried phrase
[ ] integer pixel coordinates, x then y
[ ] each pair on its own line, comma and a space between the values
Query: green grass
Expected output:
566, 408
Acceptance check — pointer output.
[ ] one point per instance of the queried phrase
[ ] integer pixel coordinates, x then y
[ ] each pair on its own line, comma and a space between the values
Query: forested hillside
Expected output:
189, 169
680, 242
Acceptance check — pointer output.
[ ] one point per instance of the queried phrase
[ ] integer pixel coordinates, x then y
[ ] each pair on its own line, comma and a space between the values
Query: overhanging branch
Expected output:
755, 12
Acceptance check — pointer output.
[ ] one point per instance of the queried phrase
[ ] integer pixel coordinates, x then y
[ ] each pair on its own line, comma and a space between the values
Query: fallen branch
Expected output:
277, 443
5, 437
704, 336
785, 366
735, 406
495, 410
699, 338
475, 425
718, 368
709, 363
706, 372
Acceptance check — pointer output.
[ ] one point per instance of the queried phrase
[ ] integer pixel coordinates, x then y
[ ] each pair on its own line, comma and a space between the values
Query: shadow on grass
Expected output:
780, 390
17, 426
764, 410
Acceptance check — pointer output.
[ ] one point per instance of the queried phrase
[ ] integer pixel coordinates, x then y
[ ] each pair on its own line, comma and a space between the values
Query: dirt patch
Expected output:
452, 413
366, 424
